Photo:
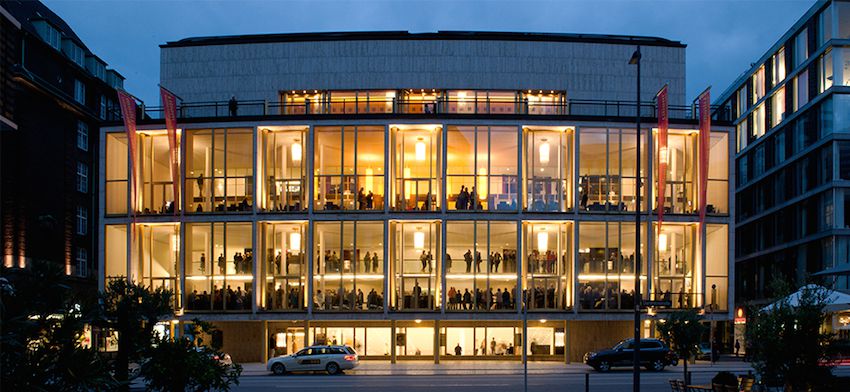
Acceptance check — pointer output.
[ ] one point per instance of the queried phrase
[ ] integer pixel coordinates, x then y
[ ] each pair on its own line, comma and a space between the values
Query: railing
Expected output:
575, 107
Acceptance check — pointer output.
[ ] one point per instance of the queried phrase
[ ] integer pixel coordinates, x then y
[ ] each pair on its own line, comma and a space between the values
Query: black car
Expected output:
654, 355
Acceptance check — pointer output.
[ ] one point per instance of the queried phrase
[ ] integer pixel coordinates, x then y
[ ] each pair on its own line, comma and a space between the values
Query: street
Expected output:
481, 377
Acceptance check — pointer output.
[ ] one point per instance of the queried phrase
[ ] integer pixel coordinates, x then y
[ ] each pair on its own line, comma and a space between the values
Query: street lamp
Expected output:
635, 60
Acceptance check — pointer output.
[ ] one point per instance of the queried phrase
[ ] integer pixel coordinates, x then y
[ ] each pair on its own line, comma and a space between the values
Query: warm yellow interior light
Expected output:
544, 152
296, 151
420, 150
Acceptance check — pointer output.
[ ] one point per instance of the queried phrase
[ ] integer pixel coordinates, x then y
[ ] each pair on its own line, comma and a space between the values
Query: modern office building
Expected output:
55, 93
398, 192
792, 119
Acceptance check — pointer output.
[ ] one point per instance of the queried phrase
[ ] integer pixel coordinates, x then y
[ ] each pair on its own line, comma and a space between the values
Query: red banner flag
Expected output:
128, 112
704, 147
663, 155
169, 108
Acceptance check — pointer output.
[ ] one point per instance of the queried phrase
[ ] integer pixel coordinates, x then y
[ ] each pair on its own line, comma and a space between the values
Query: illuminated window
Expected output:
676, 277
219, 170
284, 170
606, 262
219, 267
158, 256
284, 268
348, 269
607, 160
825, 71
115, 251
481, 265
349, 168
548, 164
548, 260
717, 267
778, 67
417, 168
758, 84
416, 259
718, 174
117, 169
777, 110
155, 177
481, 168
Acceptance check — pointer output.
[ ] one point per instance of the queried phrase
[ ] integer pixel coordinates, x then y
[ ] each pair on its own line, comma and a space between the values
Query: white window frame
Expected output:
82, 220
82, 177
82, 262
82, 136
79, 91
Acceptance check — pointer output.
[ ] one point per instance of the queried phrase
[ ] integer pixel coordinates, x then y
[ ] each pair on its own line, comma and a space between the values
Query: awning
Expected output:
835, 300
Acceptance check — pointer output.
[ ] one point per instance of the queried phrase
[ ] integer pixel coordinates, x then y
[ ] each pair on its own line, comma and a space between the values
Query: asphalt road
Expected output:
615, 381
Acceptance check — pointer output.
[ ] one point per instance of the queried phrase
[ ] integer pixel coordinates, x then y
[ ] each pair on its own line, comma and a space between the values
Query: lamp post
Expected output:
635, 60
525, 341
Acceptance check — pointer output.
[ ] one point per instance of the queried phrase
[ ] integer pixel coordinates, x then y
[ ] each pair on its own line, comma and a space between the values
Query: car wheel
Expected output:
278, 369
332, 368
603, 366
656, 365
674, 362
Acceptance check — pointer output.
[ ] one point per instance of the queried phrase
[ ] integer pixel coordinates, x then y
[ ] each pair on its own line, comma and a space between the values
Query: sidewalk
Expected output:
423, 368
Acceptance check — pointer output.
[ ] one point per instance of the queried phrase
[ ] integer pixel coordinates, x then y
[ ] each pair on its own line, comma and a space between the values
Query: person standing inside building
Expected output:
203, 263
458, 350
222, 264
467, 257
423, 258
233, 106
737, 347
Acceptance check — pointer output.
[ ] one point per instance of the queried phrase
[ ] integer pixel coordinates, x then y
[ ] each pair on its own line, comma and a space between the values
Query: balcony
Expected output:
435, 107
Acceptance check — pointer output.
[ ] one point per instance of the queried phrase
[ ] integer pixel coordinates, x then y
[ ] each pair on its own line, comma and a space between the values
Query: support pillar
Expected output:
265, 340
437, 342
393, 345
566, 342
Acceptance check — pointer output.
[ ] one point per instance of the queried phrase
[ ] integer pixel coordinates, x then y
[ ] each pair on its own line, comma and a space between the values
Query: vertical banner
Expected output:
169, 108
704, 147
128, 112
663, 155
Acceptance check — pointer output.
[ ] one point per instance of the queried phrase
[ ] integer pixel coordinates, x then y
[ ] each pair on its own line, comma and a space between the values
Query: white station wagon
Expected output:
332, 359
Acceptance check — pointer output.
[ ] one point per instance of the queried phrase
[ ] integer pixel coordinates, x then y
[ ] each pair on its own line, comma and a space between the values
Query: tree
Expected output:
44, 322
788, 346
186, 363
683, 332
132, 310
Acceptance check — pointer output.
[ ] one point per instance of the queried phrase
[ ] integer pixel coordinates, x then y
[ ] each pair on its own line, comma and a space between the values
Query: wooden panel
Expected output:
587, 336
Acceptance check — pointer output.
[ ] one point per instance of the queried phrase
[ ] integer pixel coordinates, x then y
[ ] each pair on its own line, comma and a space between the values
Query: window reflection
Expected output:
284, 270
348, 266
606, 277
220, 168
219, 266
548, 261
417, 167
548, 169
481, 169
349, 164
481, 265
284, 169
416, 259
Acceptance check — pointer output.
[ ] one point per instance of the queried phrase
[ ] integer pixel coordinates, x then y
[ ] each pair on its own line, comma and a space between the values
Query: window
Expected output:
82, 220
548, 259
607, 159
743, 134
219, 266
606, 262
82, 136
115, 252
79, 91
349, 168
482, 160
49, 34
74, 52
842, 9
82, 262
284, 170
680, 193
284, 268
825, 26
482, 274
825, 71
717, 266
674, 265
220, 171
82, 177
344, 250
758, 84
801, 89
758, 121
117, 170
156, 189
842, 72
718, 174
415, 255
777, 109
549, 170
96, 67
743, 101
778, 67
103, 107
801, 47
157, 257
417, 167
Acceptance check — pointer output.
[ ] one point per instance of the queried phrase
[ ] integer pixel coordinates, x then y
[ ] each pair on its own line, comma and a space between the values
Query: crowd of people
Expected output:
281, 299
504, 261
331, 262
243, 263
479, 299
344, 299
221, 299
278, 264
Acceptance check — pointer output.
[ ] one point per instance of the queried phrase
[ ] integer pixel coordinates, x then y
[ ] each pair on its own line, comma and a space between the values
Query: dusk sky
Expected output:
723, 37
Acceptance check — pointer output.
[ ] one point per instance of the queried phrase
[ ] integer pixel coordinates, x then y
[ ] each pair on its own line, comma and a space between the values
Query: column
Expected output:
436, 342
392, 341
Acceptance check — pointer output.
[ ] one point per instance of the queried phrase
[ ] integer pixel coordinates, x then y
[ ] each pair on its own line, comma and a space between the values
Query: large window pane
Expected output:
416, 167
348, 266
606, 265
481, 264
482, 168
349, 165
284, 169
117, 168
284, 271
548, 264
717, 266
673, 269
416, 263
548, 164
718, 174
115, 253
680, 193
157, 257
220, 263
607, 159
154, 161
220, 170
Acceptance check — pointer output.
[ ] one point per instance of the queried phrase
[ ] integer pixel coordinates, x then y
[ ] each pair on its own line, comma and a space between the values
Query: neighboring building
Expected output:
328, 208
55, 94
792, 115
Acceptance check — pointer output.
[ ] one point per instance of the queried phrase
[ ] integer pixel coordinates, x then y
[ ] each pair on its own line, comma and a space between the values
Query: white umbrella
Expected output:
835, 300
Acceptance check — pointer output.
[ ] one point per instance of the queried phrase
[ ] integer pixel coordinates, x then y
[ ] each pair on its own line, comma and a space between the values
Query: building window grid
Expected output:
82, 261
82, 177
82, 136
82, 220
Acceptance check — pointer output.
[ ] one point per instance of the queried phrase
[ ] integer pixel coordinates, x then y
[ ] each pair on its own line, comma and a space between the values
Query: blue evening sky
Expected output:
723, 36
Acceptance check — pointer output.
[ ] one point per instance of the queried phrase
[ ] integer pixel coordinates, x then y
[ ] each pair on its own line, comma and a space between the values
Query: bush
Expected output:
725, 378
